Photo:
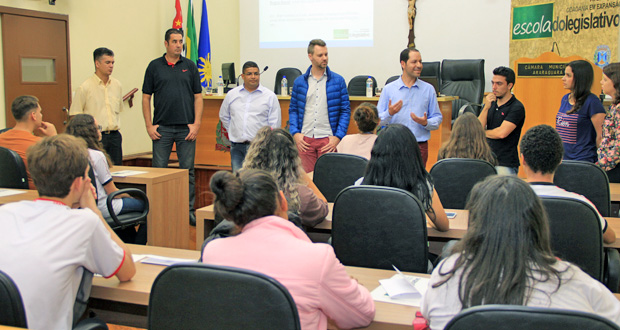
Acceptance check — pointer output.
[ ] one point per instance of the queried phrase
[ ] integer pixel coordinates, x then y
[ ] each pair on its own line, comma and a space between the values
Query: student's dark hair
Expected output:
467, 140
366, 117
170, 32
244, 196
396, 161
505, 72
506, 247
101, 51
248, 64
583, 77
404, 55
22, 105
55, 162
542, 149
612, 71
315, 42
83, 126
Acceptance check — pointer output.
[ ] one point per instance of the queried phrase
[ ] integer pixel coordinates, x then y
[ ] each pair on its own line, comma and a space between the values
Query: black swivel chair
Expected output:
378, 227
392, 78
510, 317
119, 222
357, 85
290, 73
465, 79
455, 177
13, 174
195, 296
335, 171
587, 179
575, 230
12, 312
432, 69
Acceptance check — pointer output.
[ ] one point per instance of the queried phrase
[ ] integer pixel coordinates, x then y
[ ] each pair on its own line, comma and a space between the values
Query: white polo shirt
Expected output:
43, 246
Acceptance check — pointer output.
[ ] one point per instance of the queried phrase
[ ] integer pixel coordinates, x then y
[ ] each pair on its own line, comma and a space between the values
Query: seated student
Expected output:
47, 243
27, 113
396, 162
505, 258
271, 245
84, 126
274, 151
467, 140
366, 117
541, 151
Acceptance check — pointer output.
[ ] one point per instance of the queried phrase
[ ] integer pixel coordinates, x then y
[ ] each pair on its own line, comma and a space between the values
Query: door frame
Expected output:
35, 14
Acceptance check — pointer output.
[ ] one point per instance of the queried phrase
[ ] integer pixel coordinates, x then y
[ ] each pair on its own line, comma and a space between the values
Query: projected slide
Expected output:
292, 23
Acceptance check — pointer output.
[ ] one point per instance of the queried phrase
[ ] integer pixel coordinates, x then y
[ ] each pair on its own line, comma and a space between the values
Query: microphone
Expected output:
239, 76
265, 69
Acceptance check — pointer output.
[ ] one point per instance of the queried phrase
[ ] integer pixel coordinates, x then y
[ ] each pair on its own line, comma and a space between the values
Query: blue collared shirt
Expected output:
243, 113
419, 99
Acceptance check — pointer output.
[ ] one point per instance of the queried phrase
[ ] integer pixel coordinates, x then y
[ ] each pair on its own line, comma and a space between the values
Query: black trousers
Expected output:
113, 144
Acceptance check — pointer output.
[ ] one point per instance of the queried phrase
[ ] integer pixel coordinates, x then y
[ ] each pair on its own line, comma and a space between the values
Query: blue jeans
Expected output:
237, 154
131, 205
186, 151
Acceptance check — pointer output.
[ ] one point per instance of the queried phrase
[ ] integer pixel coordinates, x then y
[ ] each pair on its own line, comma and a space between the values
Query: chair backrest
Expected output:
12, 312
465, 79
335, 171
13, 174
576, 234
392, 78
432, 69
290, 73
510, 317
587, 179
455, 177
357, 85
378, 227
198, 296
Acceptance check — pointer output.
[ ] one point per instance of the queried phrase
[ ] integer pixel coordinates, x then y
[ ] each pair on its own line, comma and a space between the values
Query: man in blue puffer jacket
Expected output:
319, 112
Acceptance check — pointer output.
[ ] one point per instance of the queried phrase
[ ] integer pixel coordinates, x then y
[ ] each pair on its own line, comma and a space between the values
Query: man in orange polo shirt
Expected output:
28, 115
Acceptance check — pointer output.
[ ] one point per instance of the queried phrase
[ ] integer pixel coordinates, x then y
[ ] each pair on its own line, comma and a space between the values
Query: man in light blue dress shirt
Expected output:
411, 101
245, 110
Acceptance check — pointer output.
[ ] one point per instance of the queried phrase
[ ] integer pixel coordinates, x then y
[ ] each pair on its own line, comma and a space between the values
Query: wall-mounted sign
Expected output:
542, 70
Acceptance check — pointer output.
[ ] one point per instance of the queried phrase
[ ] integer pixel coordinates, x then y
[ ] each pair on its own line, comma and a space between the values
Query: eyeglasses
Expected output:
100, 128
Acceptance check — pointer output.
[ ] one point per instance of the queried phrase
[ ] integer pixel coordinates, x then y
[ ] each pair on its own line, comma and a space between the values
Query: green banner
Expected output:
532, 22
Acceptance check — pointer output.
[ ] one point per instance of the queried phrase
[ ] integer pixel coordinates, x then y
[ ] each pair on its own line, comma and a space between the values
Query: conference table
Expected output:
458, 226
168, 193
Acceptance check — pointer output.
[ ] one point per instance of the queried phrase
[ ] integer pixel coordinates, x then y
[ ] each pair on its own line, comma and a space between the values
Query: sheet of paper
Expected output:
10, 192
408, 290
125, 173
163, 261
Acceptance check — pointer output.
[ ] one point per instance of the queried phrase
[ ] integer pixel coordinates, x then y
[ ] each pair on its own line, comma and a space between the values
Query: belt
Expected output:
109, 132
244, 142
423, 142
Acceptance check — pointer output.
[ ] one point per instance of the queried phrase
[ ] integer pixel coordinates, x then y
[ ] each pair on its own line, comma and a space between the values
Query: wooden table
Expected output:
205, 220
137, 291
168, 193
614, 192
27, 195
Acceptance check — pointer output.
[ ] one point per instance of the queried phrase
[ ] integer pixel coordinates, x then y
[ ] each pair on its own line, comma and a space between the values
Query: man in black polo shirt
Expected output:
502, 117
178, 107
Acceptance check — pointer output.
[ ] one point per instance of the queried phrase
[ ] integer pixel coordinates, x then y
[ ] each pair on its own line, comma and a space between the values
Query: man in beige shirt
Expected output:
101, 96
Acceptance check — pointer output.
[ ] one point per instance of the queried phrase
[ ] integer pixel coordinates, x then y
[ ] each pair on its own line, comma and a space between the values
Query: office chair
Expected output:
219, 297
576, 236
377, 227
335, 171
392, 78
432, 69
455, 177
465, 79
587, 179
357, 85
5, 129
511, 317
13, 174
290, 73
126, 220
12, 312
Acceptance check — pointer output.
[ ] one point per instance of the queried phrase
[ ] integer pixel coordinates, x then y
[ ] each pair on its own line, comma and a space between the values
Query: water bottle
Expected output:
369, 87
220, 86
284, 86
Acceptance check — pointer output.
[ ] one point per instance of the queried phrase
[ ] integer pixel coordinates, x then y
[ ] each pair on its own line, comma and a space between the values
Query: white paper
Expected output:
10, 192
401, 289
126, 173
163, 261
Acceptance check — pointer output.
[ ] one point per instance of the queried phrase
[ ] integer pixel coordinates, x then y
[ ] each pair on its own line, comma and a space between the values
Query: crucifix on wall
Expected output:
411, 12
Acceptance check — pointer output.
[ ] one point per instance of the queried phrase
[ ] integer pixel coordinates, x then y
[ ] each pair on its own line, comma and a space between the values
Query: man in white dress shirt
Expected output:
245, 110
